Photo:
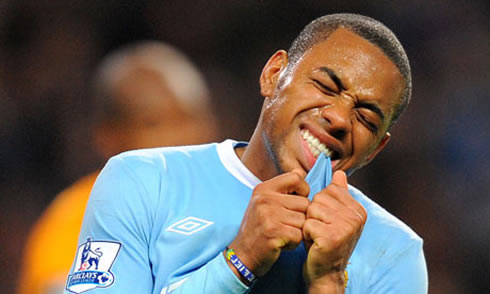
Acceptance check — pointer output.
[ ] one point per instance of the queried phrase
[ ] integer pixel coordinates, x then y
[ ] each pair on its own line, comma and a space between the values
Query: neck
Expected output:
256, 158
239, 152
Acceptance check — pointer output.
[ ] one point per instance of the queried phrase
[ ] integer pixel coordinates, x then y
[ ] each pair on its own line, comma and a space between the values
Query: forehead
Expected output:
362, 66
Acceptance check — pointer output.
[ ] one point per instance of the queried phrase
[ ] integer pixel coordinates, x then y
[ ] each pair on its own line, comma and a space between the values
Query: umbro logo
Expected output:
189, 225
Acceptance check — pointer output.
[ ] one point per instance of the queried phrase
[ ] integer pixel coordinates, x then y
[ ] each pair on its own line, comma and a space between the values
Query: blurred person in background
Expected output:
147, 94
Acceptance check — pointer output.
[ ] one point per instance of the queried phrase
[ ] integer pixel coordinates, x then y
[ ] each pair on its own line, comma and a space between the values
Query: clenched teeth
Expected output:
316, 147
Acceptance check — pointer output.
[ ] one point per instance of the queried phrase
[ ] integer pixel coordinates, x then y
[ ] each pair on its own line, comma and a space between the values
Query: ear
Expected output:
381, 145
271, 72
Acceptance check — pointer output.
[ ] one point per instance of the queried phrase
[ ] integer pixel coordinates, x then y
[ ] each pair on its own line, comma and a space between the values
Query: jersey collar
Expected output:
229, 159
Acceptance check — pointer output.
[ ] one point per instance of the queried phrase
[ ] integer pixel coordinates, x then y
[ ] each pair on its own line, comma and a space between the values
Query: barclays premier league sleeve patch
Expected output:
92, 267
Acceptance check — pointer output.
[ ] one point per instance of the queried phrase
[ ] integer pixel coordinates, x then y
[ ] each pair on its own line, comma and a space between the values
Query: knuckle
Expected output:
321, 198
299, 173
295, 179
301, 218
360, 214
304, 202
363, 213
358, 223
322, 244
293, 236
297, 236
262, 200
336, 237
270, 229
332, 188
307, 225
258, 190
353, 227
312, 208
307, 190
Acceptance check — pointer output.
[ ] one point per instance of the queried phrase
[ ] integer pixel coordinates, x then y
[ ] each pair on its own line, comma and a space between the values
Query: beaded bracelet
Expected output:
238, 264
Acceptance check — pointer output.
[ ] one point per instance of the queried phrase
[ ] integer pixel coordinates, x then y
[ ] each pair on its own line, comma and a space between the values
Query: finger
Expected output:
336, 214
277, 200
300, 172
287, 183
293, 218
311, 229
295, 203
361, 212
301, 188
340, 178
323, 213
314, 230
342, 197
292, 237
329, 198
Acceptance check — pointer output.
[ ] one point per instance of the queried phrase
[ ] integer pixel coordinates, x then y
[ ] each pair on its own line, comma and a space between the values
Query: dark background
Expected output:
433, 175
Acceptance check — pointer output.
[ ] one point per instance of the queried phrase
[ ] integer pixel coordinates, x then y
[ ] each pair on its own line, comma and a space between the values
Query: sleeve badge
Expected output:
92, 266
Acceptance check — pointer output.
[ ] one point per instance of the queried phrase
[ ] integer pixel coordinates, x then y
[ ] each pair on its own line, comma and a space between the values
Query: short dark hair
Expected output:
369, 29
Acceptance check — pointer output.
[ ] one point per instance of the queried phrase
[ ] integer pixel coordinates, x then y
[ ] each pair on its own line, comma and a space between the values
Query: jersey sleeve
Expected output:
112, 253
405, 273
214, 277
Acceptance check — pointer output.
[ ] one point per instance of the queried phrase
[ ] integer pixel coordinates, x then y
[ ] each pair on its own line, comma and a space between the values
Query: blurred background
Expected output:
434, 175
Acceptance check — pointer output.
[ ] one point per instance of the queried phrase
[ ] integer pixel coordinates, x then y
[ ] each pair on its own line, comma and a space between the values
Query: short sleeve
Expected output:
112, 253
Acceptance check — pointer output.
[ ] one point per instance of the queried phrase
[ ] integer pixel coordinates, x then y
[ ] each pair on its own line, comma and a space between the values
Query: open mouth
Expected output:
316, 147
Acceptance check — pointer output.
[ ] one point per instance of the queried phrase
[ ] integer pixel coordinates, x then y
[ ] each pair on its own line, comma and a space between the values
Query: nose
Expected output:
338, 116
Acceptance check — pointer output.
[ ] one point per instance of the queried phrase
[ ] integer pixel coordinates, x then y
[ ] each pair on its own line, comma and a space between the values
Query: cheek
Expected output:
363, 142
275, 118
294, 99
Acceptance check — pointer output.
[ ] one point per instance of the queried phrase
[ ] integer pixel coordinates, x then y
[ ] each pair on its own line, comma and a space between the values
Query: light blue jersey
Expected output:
159, 219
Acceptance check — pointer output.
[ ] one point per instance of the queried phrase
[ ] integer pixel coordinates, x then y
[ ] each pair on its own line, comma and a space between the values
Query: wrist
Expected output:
238, 267
332, 283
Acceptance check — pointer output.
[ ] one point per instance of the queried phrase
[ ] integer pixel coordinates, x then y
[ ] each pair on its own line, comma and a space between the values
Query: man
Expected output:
236, 217
147, 94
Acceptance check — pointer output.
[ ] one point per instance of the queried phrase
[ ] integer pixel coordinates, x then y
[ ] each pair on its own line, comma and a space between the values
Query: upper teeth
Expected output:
315, 145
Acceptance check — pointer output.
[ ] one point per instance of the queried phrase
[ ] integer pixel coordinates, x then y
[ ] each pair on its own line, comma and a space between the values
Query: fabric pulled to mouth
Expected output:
320, 175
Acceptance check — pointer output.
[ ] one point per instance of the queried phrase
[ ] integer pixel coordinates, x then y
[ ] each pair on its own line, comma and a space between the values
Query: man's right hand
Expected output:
272, 222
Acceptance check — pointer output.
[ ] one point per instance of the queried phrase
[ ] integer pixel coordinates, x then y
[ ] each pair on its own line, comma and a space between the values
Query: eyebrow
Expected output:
338, 82
335, 78
373, 107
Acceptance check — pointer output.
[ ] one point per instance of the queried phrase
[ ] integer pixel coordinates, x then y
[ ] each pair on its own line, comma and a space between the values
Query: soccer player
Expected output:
147, 94
275, 214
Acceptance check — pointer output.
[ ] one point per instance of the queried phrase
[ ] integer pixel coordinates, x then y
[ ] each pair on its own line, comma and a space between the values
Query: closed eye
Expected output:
372, 107
367, 121
324, 88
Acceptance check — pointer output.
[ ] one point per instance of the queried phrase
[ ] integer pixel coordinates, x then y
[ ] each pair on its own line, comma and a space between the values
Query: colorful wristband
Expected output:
238, 264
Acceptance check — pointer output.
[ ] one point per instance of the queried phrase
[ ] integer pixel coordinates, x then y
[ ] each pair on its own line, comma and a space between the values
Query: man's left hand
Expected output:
333, 226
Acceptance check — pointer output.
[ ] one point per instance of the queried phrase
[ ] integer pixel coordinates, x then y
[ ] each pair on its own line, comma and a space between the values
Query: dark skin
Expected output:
342, 91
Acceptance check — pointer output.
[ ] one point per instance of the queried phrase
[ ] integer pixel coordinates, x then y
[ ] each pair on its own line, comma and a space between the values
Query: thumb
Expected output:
340, 178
